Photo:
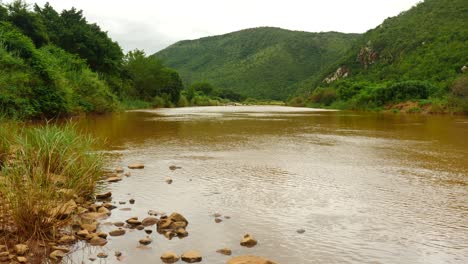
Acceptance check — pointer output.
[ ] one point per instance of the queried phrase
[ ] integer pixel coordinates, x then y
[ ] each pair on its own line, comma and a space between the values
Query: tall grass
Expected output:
48, 165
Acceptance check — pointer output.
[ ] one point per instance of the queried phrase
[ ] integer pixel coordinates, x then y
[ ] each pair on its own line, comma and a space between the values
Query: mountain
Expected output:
427, 43
261, 62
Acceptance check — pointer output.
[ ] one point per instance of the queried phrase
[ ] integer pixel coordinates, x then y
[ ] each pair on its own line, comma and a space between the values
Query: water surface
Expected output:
366, 187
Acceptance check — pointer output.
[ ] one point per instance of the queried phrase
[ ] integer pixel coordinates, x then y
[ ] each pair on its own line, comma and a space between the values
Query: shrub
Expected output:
44, 160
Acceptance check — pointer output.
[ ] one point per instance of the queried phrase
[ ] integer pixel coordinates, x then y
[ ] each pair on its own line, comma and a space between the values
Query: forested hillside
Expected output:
57, 64
420, 54
260, 62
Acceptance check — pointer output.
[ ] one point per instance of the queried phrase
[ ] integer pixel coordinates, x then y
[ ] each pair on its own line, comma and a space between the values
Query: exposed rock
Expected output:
119, 224
136, 166
133, 221
127, 174
248, 241
97, 241
57, 255
225, 251
104, 210
168, 180
218, 220
21, 249
340, 73
125, 209
94, 216
249, 260
102, 196
181, 232
169, 257
109, 206
102, 234
21, 259
464, 68
191, 256
176, 217
140, 227
118, 254
122, 202
145, 241
90, 227
149, 221
82, 233
66, 239
148, 231
63, 249
117, 232
119, 170
300, 231
92, 259
114, 179
102, 255
131, 201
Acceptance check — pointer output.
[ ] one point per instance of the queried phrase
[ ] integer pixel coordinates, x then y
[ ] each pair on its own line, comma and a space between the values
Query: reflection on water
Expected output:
367, 188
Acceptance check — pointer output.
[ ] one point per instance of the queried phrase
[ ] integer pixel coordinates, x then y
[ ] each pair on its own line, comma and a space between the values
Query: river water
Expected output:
365, 187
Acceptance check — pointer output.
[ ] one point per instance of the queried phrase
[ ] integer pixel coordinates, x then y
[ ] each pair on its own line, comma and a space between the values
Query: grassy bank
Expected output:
45, 171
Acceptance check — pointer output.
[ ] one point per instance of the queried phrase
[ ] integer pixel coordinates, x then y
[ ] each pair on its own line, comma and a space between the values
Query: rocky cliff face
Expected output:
341, 72
367, 55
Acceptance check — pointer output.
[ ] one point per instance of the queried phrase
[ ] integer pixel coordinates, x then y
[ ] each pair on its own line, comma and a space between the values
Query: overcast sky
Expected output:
154, 24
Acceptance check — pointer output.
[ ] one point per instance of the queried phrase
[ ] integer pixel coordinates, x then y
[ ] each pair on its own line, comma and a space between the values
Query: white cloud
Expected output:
154, 24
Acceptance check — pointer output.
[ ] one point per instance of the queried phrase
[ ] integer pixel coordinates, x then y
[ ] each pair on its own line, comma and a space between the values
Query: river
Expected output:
365, 187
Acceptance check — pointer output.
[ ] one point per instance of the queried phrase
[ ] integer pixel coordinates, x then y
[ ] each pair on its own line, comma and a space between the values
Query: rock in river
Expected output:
149, 221
250, 260
300, 231
191, 256
169, 257
103, 195
146, 241
97, 241
117, 232
248, 241
136, 166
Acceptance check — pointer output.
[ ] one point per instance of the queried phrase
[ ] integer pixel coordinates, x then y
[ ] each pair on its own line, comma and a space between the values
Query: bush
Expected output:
323, 96
403, 91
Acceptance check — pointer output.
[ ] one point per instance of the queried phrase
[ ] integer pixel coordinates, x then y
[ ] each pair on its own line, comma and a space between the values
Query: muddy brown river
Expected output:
365, 187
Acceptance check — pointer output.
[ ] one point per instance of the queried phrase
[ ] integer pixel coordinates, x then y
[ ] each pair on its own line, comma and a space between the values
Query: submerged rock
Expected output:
225, 251
191, 256
135, 166
249, 260
169, 257
102, 255
174, 167
168, 180
248, 241
218, 220
118, 254
300, 231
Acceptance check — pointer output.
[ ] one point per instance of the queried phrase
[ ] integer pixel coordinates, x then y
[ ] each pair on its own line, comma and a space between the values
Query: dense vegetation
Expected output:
263, 63
56, 64
418, 56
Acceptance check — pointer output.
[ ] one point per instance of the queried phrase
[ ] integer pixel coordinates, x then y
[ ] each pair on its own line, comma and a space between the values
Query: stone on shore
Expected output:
21, 249
57, 255
103, 195
249, 260
191, 256
248, 241
169, 257
135, 166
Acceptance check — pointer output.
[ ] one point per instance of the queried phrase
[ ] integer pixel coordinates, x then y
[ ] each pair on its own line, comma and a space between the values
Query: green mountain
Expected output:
426, 43
261, 62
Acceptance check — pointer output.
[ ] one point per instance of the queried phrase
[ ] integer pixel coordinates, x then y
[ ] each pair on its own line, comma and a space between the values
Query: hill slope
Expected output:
428, 43
260, 62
